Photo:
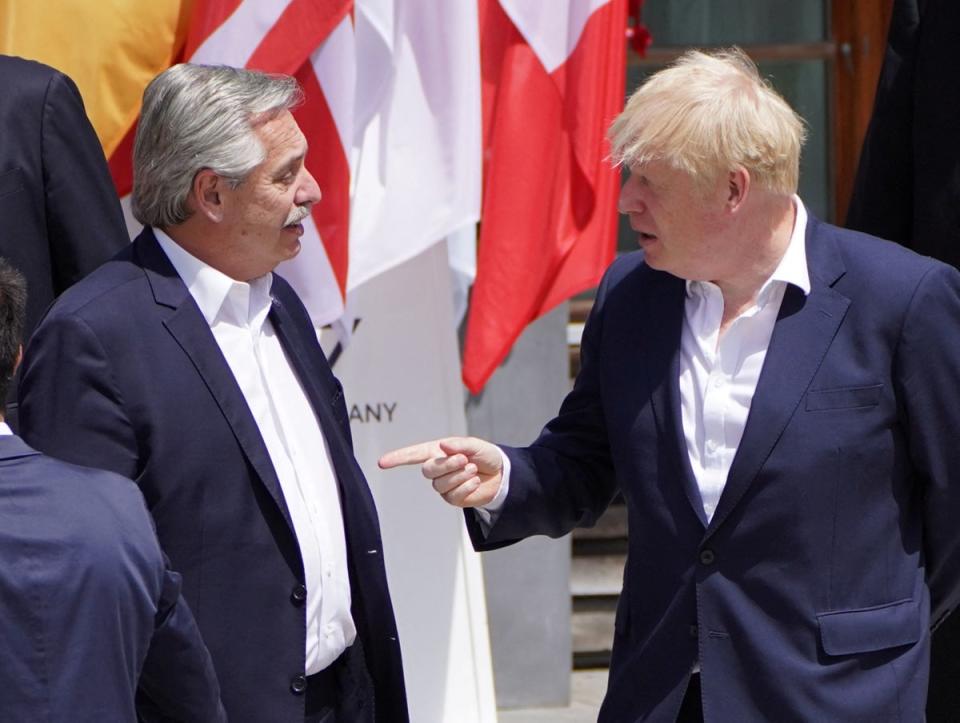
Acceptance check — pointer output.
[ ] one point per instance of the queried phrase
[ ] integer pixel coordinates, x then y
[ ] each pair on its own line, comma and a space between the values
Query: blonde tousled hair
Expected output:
708, 113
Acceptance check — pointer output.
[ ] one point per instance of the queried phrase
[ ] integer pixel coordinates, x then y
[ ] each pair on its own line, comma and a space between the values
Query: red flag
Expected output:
548, 223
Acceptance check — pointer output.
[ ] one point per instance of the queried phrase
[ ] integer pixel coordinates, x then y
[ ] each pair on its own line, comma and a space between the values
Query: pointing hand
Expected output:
466, 471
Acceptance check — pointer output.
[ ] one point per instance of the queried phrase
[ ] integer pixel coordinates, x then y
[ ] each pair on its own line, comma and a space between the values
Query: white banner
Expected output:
401, 379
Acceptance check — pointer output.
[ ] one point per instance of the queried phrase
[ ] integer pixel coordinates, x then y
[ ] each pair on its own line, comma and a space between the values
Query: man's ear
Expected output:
16, 362
206, 195
738, 187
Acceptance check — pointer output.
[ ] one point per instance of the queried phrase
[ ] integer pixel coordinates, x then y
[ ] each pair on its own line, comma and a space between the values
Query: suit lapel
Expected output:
805, 328
188, 327
660, 347
339, 448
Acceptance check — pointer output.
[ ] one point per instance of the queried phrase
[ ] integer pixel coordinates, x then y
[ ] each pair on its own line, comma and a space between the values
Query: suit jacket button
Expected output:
298, 684
707, 557
298, 595
693, 631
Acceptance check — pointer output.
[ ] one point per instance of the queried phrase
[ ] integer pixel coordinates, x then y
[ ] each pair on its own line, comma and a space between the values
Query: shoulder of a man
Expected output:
884, 268
627, 278
109, 289
108, 511
20, 74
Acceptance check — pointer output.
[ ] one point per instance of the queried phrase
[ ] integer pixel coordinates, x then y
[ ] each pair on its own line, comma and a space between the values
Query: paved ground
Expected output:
586, 692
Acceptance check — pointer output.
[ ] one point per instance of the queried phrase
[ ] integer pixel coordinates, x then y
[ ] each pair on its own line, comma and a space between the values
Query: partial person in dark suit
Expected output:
908, 190
59, 210
88, 610
186, 364
777, 400
908, 182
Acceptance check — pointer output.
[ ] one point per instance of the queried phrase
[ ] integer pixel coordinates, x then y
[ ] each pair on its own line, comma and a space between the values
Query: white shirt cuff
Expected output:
487, 515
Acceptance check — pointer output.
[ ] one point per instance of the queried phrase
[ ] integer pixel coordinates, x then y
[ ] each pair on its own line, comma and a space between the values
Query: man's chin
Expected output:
293, 249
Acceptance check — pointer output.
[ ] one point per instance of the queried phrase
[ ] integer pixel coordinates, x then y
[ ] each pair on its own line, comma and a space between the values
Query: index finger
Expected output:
414, 454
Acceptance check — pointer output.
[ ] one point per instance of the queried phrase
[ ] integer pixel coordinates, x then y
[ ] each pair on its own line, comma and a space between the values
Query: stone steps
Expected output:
596, 577
599, 553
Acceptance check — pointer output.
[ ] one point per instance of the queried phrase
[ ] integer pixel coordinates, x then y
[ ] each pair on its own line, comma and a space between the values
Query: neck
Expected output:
765, 241
204, 243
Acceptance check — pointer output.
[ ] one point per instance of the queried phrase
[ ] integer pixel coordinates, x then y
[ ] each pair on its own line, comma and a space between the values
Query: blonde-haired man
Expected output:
776, 400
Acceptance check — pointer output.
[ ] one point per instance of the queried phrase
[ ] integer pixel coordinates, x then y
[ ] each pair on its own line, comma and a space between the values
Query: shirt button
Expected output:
298, 684
718, 382
711, 446
298, 595
707, 557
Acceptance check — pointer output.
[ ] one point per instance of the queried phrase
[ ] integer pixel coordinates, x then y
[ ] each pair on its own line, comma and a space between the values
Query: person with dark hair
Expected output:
59, 210
92, 623
186, 364
13, 302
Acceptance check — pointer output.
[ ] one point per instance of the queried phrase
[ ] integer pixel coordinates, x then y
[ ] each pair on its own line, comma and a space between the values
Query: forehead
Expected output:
281, 136
662, 174
660, 170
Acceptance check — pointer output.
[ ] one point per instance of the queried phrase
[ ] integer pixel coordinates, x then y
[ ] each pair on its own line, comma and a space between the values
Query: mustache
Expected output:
297, 215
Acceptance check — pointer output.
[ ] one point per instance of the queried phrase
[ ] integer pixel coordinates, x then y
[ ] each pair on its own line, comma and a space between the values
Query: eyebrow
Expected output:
293, 161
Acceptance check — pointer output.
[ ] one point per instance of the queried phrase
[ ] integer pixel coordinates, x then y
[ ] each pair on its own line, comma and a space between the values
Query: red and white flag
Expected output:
417, 153
391, 115
553, 80
312, 40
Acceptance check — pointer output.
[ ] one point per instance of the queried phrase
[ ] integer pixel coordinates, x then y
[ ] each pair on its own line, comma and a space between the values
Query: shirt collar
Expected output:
216, 294
5, 430
792, 268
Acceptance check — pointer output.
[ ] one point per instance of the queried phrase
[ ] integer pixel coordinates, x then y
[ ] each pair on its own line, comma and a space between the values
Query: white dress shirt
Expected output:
5, 431
718, 377
237, 314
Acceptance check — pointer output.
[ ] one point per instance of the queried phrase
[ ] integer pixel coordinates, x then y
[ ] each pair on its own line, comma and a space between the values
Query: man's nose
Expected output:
309, 191
629, 200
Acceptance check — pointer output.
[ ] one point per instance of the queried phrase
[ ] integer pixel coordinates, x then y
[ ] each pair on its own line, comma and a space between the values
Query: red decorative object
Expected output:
637, 33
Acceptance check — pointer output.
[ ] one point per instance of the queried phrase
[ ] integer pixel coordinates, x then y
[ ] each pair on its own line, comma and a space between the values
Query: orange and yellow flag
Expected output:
110, 48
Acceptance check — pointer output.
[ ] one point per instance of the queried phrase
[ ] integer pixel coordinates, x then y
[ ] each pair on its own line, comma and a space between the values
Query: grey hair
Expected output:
196, 117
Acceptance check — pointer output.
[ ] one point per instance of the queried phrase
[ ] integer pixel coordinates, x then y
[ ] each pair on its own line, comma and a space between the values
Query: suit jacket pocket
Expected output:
850, 632
10, 182
819, 400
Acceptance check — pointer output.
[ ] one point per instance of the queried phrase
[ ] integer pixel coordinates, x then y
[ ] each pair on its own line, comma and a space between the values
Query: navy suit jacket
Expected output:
908, 190
125, 374
808, 596
59, 210
908, 181
87, 606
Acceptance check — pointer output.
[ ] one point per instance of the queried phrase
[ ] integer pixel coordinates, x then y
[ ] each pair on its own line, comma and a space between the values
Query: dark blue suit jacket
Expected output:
125, 374
87, 606
59, 211
808, 597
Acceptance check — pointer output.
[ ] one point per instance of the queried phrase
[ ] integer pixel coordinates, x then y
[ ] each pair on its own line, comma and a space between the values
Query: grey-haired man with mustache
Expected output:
186, 364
